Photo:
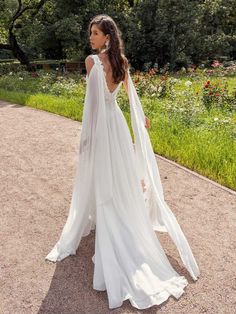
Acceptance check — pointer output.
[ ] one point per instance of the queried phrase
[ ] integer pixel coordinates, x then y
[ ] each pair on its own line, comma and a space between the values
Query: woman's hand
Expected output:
147, 124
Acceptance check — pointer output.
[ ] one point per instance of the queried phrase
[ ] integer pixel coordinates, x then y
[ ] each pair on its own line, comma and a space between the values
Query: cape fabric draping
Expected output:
160, 214
91, 188
93, 160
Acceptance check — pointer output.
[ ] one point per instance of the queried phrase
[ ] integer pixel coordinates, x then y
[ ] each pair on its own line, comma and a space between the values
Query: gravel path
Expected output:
37, 165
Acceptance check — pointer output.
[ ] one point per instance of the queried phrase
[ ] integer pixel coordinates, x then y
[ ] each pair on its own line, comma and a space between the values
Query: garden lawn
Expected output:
195, 132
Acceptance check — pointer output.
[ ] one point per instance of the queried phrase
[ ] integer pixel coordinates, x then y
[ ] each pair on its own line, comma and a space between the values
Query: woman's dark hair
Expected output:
119, 62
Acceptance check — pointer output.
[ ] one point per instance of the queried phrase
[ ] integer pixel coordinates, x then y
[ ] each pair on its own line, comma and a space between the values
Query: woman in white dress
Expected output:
117, 188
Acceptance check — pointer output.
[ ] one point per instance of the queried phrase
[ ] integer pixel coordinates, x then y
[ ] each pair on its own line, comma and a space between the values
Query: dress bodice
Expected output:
110, 97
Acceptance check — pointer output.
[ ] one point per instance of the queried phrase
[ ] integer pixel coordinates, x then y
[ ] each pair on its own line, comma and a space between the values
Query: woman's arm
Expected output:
125, 83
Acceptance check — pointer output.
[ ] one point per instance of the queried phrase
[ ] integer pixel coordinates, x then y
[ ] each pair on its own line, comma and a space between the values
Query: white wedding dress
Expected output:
129, 261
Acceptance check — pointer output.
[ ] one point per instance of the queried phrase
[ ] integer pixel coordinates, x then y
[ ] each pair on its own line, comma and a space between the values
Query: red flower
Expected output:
152, 71
217, 94
208, 82
206, 85
34, 74
210, 93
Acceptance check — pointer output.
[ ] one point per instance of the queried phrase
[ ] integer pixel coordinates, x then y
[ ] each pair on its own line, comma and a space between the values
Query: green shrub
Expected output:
10, 67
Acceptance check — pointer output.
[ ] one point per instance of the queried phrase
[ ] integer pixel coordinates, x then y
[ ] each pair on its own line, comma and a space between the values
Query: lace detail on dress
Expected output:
105, 78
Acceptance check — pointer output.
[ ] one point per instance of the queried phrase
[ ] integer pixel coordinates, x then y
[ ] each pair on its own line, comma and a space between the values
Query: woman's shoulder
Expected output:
89, 59
89, 62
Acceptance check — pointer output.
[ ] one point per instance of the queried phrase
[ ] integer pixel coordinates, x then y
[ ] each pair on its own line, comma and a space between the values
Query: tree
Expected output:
218, 28
165, 33
12, 12
178, 32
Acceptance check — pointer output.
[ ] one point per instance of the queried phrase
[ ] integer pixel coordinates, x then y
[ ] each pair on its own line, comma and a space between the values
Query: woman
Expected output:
129, 261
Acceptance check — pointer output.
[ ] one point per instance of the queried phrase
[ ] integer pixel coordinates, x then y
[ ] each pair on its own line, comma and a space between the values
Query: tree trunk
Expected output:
18, 52
13, 45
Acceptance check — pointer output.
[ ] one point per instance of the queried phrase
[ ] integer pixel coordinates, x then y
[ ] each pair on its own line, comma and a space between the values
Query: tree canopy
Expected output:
178, 32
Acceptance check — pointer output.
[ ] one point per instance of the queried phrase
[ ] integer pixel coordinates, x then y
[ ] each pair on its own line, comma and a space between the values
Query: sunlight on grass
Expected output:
71, 108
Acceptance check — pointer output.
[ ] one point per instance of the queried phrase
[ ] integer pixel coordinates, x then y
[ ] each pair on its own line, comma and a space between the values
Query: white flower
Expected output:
159, 89
174, 80
188, 83
153, 88
21, 78
216, 119
10, 73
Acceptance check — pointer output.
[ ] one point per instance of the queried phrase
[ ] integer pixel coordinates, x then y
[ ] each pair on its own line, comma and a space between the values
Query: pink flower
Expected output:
216, 64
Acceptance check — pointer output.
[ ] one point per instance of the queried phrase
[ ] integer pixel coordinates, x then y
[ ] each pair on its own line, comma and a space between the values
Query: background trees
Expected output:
178, 32
12, 15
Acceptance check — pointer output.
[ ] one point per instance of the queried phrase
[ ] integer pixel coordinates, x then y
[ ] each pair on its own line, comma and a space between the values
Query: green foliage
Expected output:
44, 82
174, 32
10, 67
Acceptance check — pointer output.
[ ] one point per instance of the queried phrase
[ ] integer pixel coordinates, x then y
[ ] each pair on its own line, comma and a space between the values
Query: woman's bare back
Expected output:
108, 72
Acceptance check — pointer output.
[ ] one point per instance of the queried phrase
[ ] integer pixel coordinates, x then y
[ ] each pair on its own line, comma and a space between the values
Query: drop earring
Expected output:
107, 45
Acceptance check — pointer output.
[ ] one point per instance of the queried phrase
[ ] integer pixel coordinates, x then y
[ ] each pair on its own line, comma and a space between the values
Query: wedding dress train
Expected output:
129, 261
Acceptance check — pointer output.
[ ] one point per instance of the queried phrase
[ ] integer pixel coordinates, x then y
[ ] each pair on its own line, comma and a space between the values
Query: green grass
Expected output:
70, 108
211, 153
193, 139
